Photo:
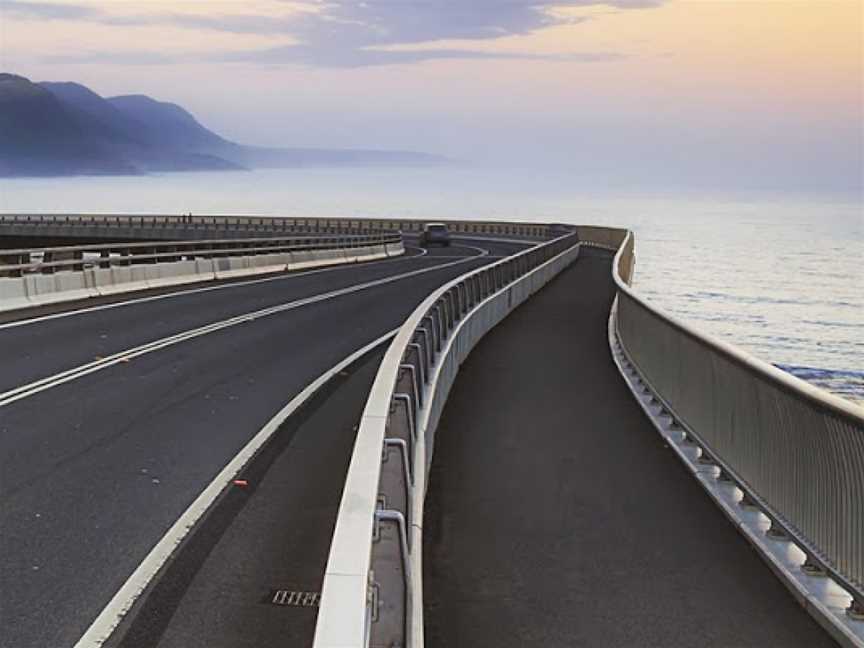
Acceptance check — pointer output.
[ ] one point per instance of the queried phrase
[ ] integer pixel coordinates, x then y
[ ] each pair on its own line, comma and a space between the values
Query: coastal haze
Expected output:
57, 129
657, 94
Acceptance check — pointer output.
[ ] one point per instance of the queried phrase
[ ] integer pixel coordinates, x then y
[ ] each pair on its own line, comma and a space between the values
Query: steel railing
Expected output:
18, 262
186, 222
373, 584
795, 451
246, 224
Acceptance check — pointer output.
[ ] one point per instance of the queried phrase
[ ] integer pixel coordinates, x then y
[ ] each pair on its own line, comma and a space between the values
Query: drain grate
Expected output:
294, 598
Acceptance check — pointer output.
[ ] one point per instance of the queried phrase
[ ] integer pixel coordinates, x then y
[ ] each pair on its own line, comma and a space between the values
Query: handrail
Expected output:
174, 250
796, 386
404, 403
96, 247
793, 449
536, 231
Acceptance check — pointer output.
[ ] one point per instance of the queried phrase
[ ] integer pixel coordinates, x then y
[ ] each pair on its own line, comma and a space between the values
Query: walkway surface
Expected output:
556, 516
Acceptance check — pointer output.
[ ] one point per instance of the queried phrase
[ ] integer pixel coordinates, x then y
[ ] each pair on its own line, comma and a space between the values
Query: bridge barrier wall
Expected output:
49, 289
795, 451
372, 592
14, 294
109, 281
176, 227
39, 289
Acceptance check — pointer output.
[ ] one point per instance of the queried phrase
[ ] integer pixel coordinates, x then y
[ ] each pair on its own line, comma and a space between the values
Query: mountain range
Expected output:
55, 129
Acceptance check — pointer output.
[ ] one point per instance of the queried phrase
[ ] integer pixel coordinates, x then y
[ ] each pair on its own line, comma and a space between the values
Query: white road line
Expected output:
192, 291
526, 242
37, 386
120, 604
482, 251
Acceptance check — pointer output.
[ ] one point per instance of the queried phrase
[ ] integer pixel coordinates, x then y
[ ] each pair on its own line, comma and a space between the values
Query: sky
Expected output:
713, 94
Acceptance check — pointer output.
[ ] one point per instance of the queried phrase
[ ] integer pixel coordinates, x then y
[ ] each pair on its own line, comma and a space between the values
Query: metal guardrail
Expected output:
796, 452
372, 591
189, 222
17, 262
536, 231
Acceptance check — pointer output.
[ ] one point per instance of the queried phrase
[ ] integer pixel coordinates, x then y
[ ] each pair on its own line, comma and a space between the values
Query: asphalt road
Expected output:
54, 341
222, 590
563, 520
95, 470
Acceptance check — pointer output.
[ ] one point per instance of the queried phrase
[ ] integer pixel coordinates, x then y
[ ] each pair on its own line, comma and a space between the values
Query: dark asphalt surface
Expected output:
561, 519
94, 471
276, 536
43, 348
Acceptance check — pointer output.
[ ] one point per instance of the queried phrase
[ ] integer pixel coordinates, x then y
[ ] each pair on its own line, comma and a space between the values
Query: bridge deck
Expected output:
222, 588
97, 468
555, 516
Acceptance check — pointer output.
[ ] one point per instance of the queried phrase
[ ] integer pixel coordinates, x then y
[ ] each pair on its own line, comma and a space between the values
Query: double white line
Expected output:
37, 386
192, 291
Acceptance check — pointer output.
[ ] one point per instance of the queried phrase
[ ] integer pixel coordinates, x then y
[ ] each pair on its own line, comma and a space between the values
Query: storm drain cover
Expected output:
294, 598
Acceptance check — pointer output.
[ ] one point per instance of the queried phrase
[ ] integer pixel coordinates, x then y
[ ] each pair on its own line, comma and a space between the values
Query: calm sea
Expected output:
779, 276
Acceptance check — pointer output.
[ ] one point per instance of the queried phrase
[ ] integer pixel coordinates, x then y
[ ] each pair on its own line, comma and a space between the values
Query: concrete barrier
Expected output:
372, 593
13, 293
109, 281
394, 249
31, 290
53, 288
172, 274
301, 259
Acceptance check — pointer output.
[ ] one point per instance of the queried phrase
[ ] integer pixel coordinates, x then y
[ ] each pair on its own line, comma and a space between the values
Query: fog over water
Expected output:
780, 276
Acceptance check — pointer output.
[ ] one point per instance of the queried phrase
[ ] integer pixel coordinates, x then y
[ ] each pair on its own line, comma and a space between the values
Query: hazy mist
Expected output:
653, 94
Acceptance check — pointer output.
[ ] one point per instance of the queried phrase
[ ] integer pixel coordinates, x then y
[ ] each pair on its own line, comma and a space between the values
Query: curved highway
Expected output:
114, 417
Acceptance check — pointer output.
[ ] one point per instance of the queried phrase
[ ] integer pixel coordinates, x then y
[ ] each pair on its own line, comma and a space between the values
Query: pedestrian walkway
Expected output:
562, 519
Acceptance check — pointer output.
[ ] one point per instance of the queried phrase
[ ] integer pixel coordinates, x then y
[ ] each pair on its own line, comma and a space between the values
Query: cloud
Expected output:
364, 57
388, 22
111, 58
352, 23
351, 33
46, 11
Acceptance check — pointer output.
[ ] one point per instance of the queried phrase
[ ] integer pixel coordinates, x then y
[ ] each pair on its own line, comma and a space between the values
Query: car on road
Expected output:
435, 234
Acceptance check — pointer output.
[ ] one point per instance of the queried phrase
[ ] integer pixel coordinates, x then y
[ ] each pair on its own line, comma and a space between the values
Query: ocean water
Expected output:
778, 275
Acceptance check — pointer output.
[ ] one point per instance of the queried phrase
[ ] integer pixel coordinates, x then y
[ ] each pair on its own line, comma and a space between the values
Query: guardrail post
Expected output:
427, 342
401, 446
13, 259
444, 314
814, 567
856, 608
437, 330
391, 557
464, 299
407, 383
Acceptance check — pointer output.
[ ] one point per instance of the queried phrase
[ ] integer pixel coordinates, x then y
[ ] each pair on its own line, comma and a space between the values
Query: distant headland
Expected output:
58, 129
